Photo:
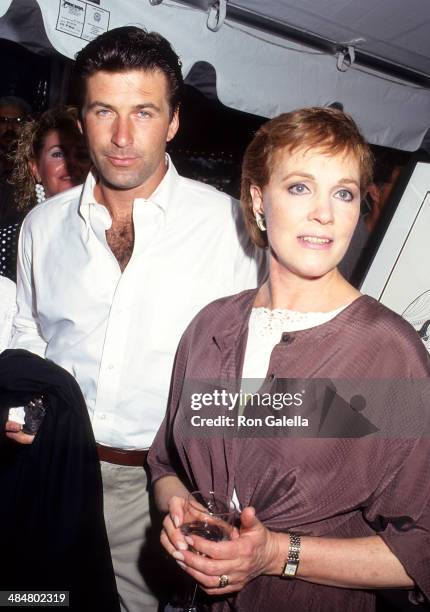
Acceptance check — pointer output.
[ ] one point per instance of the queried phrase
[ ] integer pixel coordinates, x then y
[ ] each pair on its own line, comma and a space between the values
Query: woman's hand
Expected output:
250, 553
171, 537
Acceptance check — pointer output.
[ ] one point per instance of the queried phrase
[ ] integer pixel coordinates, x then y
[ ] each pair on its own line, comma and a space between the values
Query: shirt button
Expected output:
287, 338
102, 417
110, 366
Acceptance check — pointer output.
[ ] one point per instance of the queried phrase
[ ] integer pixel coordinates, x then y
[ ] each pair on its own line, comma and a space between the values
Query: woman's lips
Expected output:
315, 242
69, 179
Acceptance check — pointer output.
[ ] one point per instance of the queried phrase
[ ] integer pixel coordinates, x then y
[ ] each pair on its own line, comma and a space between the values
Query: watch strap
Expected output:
292, 561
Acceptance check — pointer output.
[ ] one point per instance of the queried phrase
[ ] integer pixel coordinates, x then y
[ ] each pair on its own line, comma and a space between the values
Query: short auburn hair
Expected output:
326, 129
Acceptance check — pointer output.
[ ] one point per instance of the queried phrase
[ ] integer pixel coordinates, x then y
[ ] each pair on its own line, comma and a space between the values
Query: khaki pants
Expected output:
126, 511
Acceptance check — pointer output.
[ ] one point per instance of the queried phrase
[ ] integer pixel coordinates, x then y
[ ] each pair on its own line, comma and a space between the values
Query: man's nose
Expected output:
122, 135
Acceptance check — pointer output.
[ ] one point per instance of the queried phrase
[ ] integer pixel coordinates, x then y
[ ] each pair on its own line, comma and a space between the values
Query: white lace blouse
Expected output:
265, 329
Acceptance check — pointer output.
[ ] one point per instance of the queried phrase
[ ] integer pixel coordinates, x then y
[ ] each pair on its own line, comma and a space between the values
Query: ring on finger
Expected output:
223, 581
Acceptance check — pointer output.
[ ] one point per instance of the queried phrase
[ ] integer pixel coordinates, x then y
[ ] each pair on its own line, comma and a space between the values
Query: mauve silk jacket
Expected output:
319, 486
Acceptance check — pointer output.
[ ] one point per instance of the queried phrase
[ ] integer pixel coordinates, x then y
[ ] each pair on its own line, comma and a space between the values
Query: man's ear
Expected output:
173, 126
34, 171
257, 199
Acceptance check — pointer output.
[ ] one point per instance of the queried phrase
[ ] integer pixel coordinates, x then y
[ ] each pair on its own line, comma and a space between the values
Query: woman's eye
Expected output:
298, 189
58, 154
345, 194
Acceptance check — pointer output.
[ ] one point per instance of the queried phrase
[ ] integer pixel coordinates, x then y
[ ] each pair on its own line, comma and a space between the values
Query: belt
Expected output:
122, 457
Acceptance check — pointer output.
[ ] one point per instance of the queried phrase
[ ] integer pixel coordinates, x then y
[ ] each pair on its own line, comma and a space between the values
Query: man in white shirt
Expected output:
109, 275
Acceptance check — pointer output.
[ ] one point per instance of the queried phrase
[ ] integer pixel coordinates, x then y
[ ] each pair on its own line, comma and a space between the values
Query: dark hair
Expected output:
326, 129
130, 48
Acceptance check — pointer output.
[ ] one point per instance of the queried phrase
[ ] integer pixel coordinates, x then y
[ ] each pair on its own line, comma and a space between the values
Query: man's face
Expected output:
10, 117
126, 120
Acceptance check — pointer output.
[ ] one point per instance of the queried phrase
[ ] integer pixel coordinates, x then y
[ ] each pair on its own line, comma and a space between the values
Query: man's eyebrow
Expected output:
142, 106
147, 105
99, 103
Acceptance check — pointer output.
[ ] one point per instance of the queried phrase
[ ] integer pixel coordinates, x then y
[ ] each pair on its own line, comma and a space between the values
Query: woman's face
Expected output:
311, 205
63, 162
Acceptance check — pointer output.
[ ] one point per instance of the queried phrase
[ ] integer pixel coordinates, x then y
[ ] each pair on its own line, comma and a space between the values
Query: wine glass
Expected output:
210, 516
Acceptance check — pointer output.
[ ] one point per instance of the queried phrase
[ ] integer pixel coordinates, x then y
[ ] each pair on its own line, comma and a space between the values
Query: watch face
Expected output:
290, 569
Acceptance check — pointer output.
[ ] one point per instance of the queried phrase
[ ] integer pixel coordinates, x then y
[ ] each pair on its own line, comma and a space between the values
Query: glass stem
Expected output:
194, 595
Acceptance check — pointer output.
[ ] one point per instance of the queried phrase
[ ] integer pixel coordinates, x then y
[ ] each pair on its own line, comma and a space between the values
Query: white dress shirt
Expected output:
7, 310
116, 332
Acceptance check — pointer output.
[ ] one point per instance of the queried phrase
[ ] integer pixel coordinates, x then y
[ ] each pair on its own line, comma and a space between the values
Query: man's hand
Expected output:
14, 432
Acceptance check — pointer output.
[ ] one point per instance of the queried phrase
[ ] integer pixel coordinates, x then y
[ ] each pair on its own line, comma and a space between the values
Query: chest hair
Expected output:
120, 238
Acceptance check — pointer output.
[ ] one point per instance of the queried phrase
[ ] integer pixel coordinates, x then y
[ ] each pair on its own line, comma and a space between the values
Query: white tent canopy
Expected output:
261, 66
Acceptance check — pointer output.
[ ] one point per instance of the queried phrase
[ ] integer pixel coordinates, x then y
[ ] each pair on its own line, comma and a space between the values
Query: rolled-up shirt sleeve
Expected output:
159, 459
400, 513
162, 457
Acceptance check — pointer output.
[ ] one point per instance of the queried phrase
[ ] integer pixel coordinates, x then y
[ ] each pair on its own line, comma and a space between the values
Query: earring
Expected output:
40, 193
260, 221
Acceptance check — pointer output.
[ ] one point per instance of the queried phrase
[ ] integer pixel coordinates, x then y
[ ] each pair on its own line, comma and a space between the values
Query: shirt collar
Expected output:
163, 194
161, 197
87, 197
